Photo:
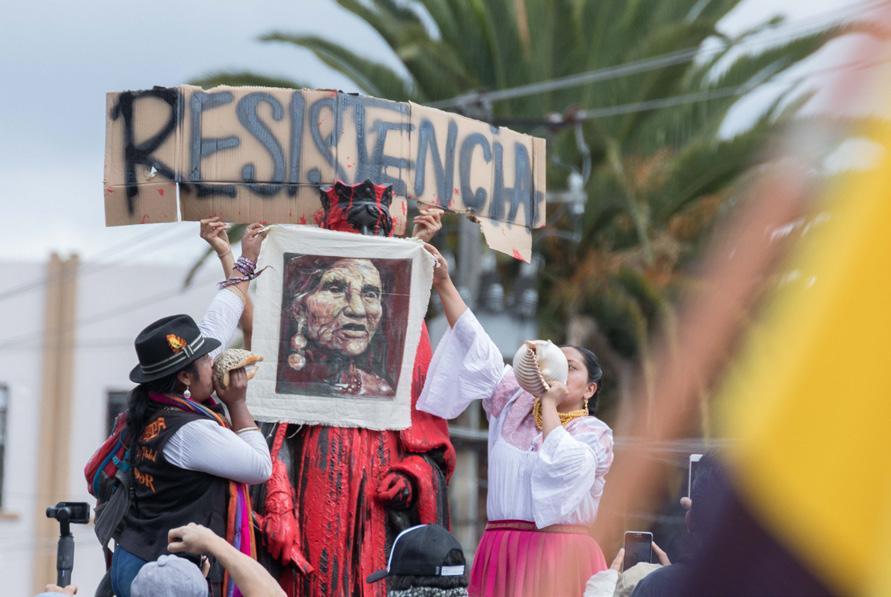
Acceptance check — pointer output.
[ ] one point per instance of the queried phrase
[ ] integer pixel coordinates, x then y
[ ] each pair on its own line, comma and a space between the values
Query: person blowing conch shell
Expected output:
537, 364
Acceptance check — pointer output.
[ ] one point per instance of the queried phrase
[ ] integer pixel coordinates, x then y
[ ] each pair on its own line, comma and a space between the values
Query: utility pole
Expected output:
469, 252
54, 438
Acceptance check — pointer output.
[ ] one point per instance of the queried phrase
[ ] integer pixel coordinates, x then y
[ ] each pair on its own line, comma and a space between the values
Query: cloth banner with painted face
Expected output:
338, 318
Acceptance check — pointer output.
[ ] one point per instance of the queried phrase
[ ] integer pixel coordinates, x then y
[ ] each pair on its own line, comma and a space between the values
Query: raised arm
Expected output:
452, 303
467, 365
251, 241
213, 231
427, 223
569, 472
240, 453
223, 314
251, 578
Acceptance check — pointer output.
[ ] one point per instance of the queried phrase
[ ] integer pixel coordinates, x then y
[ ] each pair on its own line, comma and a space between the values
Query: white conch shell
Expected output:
537, 363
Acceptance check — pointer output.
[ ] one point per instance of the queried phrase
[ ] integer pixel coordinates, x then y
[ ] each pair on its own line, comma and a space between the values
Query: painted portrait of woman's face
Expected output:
343, 325
344, 311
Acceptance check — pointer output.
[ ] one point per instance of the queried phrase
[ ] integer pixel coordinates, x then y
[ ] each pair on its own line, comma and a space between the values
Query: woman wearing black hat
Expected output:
189, 462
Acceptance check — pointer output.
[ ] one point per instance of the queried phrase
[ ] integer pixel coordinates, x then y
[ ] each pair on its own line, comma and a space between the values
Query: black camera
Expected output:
72, 512
67, 513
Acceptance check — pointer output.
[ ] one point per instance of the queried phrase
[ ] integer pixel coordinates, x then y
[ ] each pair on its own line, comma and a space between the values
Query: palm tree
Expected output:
657, 174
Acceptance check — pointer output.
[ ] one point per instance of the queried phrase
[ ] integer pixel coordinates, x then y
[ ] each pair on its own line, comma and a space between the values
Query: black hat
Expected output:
423, 551
167, 346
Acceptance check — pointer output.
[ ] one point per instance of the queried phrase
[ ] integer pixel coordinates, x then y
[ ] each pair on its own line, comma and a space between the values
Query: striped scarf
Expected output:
239, 527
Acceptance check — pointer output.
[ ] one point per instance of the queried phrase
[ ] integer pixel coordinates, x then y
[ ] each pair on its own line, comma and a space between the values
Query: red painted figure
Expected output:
339, 496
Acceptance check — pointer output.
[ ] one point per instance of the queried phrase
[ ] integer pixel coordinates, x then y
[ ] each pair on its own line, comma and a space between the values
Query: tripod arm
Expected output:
64, 559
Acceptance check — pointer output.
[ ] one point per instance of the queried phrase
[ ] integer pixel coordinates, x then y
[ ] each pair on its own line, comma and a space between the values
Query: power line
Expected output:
78, 346
45, 279
101, 316
128, 246
765, 38
556, 120
640, 66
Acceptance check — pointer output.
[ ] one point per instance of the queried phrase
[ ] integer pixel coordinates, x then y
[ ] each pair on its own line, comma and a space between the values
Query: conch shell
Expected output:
231, 359
537, 363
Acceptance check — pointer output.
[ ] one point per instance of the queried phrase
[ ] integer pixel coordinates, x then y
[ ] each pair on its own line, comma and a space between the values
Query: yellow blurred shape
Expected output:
810, 398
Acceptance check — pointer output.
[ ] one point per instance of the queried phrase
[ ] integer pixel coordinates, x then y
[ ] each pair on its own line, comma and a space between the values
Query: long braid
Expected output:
140, 409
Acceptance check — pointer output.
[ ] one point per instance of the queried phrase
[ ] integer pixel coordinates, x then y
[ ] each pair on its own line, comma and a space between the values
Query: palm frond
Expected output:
371, 77
707, 166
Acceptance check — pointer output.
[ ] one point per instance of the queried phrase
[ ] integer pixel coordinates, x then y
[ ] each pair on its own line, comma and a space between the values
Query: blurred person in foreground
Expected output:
663, 578
616, 582
710, 486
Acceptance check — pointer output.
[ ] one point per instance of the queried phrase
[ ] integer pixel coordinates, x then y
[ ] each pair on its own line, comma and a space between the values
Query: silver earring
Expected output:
297, 360
187, 394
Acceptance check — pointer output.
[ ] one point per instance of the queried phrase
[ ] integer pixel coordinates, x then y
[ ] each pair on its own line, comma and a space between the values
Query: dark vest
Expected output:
165, 496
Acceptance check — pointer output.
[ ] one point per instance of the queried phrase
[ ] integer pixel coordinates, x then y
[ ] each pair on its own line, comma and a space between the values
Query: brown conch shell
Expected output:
231, 359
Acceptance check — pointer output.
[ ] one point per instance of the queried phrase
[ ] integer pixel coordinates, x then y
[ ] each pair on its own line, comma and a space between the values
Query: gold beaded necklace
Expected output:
565, 418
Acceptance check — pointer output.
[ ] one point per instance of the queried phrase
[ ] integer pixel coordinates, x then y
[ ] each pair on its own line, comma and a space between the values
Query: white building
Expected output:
66, 350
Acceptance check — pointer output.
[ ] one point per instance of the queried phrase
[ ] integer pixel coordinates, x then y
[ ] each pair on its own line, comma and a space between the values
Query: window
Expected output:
117, 403
4, 406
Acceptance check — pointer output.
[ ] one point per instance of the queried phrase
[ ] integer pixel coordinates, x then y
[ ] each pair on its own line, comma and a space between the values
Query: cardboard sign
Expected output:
339, 329
253, 153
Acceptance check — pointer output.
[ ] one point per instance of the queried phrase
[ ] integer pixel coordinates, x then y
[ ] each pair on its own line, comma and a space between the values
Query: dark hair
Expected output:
595, 374
454, 558
140, 409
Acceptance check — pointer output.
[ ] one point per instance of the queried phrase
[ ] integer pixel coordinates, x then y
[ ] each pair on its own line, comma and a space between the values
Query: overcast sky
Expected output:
58, 58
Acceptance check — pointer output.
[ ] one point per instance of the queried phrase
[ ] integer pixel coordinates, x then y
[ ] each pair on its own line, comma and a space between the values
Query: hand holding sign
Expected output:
427, 223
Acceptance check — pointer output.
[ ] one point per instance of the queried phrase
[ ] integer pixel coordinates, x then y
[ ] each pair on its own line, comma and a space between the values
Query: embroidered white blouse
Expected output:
556, 481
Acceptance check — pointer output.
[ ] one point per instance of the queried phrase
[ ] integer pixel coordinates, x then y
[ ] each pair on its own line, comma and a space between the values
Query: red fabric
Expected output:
516, 563
425, 493
343, 520
341, 198
343, 524
103, 465
279, 522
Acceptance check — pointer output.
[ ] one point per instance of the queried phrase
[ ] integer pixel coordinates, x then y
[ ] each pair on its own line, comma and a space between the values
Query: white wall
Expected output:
20, 371
114, 303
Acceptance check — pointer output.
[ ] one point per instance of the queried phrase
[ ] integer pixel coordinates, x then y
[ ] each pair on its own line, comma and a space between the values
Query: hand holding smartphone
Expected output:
638, 548
693, 465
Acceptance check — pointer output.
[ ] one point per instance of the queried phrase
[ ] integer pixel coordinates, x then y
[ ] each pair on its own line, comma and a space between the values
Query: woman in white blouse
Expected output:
547, 457
191, 461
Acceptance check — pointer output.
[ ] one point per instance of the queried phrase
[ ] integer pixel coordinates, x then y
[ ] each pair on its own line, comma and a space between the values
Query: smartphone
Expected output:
638, 548
693, 465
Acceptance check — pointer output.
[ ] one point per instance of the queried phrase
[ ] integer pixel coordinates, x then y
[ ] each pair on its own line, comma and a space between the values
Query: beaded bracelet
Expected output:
233, 280
245, 265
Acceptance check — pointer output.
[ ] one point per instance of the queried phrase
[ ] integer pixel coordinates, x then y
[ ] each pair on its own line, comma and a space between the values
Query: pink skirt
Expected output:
515, 559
